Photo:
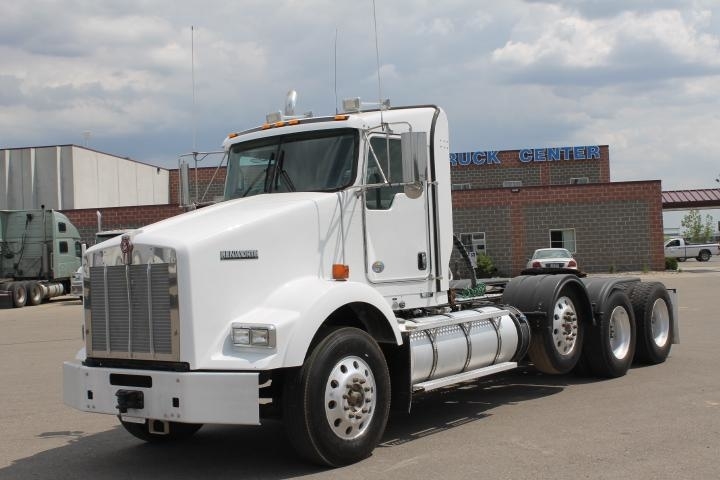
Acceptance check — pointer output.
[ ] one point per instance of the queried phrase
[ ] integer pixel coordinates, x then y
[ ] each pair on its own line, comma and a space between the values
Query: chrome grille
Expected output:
131, 312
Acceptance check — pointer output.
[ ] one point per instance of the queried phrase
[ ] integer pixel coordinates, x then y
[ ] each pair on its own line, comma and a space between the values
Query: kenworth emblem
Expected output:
238, 254
126, 247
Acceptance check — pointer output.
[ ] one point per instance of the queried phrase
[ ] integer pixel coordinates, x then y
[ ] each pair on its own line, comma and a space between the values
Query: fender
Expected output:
599, 289
534, 294
314, 300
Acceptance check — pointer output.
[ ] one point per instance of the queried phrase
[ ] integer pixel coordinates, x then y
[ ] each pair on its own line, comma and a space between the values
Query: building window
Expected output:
474, 243
577, 180
63, 247
461, 186
512, 183
564, 238
62, 227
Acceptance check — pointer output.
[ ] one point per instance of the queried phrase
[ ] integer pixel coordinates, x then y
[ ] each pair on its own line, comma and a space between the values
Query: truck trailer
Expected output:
39, 252
320, 291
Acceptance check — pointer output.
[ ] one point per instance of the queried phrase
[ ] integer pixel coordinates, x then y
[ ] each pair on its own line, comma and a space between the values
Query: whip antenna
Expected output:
192, 73
377, 58
336, 101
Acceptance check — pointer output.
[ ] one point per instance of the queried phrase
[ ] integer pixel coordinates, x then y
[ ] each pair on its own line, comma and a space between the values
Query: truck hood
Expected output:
231, 257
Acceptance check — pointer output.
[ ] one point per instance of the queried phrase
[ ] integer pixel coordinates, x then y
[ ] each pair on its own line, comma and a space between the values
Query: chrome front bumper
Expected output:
188, 397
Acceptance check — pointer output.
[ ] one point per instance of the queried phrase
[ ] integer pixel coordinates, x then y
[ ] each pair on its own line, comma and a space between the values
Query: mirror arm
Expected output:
377, 162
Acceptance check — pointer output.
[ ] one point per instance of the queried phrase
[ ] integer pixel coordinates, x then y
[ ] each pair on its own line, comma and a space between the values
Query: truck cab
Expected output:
320, 289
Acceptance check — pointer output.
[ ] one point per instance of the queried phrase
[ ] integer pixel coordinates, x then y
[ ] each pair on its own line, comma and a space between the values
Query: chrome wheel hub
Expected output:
349, 397
565, 326
660, 322
620, 332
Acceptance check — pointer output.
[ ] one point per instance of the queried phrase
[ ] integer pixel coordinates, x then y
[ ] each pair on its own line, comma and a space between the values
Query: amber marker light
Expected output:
342, 117
232, 135
266, 126
340, 271
294, 121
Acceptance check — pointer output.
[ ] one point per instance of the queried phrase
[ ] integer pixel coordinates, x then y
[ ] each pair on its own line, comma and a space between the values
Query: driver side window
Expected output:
381, 198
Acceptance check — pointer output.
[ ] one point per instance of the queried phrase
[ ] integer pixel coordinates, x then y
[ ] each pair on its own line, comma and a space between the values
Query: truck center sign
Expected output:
528, 155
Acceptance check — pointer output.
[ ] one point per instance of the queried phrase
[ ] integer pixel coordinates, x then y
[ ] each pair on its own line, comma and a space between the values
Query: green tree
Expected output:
694, 229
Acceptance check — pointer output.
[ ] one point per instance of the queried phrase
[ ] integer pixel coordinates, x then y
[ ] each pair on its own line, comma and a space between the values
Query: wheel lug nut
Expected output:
367, 389
362, 380
356, 380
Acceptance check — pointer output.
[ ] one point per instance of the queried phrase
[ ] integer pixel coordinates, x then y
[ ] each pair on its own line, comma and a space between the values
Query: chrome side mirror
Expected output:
414, 148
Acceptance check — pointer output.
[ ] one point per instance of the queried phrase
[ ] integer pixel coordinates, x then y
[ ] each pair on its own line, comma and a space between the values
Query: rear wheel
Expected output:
610, 344
556, 348
34, 293
703, 256
654, 317
162, 432
336, 405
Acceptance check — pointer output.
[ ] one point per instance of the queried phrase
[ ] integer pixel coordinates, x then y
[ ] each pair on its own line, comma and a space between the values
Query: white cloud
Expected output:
564, 38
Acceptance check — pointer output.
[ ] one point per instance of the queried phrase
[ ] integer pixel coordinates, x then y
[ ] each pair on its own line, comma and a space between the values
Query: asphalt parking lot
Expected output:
659, 422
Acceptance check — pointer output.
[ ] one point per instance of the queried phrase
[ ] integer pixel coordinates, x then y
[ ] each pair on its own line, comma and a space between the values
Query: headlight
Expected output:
244, 335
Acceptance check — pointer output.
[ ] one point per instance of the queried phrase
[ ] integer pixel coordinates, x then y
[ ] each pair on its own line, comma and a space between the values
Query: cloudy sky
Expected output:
642, 76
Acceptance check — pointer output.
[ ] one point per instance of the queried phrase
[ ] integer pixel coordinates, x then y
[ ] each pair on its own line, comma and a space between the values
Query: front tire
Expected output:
335, 407
19, 294
654, 317
610, 345
175, 431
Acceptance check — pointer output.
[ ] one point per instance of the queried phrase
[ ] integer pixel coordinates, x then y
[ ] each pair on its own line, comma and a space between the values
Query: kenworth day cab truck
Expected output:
39, 252
319, 291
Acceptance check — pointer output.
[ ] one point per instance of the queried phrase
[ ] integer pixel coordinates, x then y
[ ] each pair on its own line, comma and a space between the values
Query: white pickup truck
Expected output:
682, 250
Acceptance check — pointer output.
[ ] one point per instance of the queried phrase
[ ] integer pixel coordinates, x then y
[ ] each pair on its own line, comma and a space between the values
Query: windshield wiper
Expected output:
260, 175
281, 170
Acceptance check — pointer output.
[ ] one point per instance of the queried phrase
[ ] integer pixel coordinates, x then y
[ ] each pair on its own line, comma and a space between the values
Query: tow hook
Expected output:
129, 399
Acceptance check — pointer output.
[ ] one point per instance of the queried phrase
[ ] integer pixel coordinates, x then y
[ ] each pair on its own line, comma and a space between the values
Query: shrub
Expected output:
485, 267
671, 263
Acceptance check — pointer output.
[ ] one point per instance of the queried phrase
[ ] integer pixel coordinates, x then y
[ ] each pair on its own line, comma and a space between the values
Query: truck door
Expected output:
397, 241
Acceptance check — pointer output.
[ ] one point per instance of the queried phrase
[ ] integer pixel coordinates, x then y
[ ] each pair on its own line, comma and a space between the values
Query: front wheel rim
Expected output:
350, 398
565, 326
620, 332
660, 322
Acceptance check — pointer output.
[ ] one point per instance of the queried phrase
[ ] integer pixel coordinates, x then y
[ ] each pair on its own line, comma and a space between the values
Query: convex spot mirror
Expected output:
414, 149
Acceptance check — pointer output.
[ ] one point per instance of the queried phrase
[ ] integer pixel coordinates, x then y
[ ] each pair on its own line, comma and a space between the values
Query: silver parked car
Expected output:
552, 258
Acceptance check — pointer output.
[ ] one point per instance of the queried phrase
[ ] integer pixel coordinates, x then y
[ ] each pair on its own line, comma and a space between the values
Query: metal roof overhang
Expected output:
691, 199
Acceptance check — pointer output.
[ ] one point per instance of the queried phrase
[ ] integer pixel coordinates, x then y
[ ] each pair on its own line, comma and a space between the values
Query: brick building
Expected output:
508, 203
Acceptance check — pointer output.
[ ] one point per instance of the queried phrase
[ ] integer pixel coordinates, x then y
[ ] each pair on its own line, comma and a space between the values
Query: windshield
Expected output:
549, 253
304, 162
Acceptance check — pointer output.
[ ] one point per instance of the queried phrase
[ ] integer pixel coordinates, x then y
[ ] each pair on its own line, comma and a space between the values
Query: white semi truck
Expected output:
320, 291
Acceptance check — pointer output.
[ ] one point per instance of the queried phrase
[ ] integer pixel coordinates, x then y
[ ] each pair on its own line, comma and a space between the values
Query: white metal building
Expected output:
66, 177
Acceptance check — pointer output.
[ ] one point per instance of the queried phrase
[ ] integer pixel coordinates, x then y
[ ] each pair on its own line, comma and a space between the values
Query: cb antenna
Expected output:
377, 58
336, 102
192, 73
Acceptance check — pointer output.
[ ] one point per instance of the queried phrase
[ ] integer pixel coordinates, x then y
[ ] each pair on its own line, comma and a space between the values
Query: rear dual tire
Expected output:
610, 343
557, 348
654, 316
